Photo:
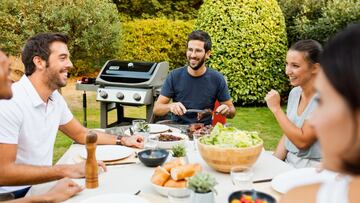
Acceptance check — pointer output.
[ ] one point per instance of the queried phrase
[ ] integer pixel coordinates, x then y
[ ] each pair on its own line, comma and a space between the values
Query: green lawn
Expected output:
251, 118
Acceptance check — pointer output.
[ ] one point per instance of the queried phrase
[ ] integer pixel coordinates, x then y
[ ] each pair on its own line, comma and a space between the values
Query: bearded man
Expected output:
30, 120
194, 86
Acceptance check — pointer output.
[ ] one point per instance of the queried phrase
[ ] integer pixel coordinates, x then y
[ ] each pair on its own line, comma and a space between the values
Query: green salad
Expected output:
231, 137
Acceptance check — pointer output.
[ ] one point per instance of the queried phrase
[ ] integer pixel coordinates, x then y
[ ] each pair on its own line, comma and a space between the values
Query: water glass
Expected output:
196, 137
149, 142
137, 125
242, 177
175, 197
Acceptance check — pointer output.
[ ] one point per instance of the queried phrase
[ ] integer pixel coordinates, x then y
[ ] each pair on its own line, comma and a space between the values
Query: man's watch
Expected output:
118, 140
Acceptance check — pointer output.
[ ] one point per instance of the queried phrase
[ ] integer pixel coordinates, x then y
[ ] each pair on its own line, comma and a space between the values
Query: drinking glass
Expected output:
196, 137
149, 142
242, 177
137, 124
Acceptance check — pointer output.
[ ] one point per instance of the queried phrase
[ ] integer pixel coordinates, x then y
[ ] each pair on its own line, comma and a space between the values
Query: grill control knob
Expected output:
120, 95
137, 97
103, 94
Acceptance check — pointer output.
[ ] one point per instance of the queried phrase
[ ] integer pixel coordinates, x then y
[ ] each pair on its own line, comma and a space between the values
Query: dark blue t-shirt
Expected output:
195, 92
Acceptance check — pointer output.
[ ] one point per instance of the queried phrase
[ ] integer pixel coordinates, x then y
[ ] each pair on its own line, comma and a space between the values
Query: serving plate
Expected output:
298, 177
169, 144
157, 128
109, 152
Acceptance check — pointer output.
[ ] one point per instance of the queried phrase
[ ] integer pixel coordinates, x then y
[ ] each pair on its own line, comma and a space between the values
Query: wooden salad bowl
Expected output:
223, 159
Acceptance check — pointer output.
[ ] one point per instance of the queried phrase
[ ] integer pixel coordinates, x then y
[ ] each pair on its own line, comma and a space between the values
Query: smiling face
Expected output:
196, 54
58, 65
333, 123
5, 81
298, 69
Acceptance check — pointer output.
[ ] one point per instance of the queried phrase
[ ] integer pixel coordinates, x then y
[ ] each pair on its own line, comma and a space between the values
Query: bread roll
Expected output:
182, 172
175, 184
160, 176
173, 163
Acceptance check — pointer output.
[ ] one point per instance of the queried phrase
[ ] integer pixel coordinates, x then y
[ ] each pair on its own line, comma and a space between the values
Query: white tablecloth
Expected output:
134, 177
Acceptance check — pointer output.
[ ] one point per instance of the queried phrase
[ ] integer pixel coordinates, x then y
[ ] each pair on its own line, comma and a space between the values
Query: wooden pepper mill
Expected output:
91, 167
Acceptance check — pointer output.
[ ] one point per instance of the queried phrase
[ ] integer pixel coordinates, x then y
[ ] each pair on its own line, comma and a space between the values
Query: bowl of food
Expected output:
244, 196
172, 177
226, 147
153, 157
164, 191
168, 140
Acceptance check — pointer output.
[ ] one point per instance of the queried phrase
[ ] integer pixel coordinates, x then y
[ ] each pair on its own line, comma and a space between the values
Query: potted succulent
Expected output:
202, 187
179, 152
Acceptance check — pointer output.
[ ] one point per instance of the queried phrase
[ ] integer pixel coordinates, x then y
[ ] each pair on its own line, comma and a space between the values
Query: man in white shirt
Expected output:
65, 188
30, 120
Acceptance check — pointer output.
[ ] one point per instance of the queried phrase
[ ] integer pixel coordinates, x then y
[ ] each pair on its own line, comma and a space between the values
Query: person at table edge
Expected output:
30, 120
194, 86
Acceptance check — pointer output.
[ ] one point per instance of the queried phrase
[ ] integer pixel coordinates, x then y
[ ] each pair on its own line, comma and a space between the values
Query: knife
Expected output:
120, 163
194, 111
262, 180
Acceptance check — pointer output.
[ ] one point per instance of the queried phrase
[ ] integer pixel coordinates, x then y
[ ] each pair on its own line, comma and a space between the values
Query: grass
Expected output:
247, 118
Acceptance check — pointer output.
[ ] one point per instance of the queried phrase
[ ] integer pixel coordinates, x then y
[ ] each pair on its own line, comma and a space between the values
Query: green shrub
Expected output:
318, 19
170, 9
92, 25
249, 46
155, 40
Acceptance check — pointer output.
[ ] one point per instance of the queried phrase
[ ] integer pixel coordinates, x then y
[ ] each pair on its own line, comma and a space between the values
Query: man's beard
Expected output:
198, 66
54, 81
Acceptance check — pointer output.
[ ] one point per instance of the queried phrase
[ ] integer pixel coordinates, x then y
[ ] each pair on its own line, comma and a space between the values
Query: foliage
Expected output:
170, 9
202, 183
249, 46
178, 151
92, 25
318, 19
155, 40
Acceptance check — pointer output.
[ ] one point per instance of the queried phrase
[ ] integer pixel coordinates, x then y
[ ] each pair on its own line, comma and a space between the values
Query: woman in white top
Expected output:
298, 145
337, 122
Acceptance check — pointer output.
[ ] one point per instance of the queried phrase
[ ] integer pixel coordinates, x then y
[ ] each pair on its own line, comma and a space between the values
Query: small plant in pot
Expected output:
179, 152
203, 188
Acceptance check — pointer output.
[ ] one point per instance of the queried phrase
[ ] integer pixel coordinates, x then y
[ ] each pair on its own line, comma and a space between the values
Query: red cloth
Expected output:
218, 118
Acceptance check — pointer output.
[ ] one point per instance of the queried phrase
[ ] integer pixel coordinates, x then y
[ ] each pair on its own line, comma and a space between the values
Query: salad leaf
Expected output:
231, 137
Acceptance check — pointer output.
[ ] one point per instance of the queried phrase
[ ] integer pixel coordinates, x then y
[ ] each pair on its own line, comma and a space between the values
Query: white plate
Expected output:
115, 198
304, 176
157, 128
109, 152
165, 190
170, 144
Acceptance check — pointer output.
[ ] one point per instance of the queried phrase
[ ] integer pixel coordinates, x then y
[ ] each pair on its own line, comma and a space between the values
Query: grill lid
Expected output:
133, 74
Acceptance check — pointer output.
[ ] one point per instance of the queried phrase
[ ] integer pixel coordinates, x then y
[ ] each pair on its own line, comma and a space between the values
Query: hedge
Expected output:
249, 46
92, 25
155, 40
318, 19
170, 9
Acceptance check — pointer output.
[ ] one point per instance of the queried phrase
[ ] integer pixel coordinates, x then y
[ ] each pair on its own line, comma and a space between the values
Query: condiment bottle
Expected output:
91, 166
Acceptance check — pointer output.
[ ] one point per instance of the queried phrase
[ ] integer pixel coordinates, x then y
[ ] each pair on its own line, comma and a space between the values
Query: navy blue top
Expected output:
195, 92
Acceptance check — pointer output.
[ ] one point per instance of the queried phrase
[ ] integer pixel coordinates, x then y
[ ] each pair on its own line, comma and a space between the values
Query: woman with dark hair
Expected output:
298, 145
337, 122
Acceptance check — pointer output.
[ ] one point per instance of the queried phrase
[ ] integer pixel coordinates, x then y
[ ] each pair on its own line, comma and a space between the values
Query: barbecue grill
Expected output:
124, 83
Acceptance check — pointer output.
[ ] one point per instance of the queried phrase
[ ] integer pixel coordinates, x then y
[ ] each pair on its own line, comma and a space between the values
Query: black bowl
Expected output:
153, 157
260, 195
